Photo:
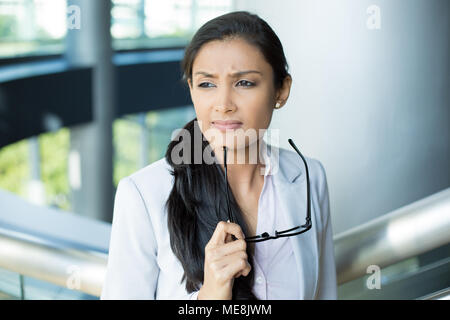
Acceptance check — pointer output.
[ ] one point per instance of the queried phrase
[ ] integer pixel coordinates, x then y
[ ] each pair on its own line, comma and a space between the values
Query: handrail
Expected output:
391, 238
406, 232
71, 268
443, 294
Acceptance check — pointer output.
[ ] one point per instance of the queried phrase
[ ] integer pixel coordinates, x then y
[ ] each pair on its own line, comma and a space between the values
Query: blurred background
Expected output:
91, 91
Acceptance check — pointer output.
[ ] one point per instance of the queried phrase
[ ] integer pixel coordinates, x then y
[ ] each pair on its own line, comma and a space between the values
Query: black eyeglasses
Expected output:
286, 233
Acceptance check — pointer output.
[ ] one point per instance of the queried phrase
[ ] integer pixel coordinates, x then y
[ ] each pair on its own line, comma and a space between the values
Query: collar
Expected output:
284, 164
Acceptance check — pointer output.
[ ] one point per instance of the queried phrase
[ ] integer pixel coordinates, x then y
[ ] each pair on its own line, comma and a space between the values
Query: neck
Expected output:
244, 166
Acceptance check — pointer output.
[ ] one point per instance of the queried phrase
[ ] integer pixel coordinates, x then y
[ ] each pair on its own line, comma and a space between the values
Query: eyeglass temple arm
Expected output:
278, 234
307, 225
226, 183
308, 206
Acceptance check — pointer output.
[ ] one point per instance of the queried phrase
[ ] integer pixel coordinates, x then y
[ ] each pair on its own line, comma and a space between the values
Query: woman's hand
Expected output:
225, 260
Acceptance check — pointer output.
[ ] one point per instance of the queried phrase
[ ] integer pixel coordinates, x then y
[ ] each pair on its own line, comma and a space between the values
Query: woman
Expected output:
183, 226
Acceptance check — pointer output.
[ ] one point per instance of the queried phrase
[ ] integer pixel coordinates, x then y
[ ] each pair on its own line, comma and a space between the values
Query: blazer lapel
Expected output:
290, 187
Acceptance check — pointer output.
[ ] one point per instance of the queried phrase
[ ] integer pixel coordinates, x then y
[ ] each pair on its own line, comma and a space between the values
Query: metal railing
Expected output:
70, 268
403, 233
406, 232
443, 294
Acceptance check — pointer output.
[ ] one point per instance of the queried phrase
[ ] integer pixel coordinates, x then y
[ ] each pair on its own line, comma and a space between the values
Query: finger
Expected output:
226, 261
218, 236
232, 269
241, 273
230, 248
222, 228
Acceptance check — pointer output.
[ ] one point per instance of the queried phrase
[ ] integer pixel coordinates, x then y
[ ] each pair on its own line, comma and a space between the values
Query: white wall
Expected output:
371, 105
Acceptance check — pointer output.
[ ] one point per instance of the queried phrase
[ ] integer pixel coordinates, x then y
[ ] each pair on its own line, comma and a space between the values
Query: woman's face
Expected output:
231, 80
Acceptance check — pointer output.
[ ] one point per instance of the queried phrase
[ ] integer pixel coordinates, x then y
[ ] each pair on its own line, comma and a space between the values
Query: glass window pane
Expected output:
15, 168
36, 169
157, 23
14, 286
32, 27
10, 286
141, 139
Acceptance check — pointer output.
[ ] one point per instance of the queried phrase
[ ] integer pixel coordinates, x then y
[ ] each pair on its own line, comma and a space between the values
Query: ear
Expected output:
283, 93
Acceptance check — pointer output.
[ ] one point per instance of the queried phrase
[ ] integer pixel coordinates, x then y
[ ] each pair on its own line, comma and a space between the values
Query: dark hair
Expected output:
197, 201
244, 25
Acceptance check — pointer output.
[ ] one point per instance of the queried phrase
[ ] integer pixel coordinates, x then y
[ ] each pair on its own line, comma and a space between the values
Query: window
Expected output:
157, 23
32, 27
39, 27
36, 169
141, 139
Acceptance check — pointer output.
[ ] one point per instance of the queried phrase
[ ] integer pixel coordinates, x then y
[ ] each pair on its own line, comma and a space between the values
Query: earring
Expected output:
277, 106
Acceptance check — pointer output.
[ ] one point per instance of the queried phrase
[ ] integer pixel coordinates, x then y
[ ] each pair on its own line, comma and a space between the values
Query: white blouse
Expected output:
276, 276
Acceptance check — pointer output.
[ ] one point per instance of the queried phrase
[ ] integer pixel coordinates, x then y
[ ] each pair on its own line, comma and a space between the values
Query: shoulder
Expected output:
156, 175
292, 164
294, 169
150, 185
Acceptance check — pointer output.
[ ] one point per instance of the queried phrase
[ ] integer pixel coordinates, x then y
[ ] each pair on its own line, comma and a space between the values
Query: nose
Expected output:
224, 102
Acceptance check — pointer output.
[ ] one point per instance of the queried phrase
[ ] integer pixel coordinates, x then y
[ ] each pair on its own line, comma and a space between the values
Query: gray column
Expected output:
91, 151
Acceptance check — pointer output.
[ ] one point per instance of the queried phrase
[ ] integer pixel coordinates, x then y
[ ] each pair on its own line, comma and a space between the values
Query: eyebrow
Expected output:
235, 74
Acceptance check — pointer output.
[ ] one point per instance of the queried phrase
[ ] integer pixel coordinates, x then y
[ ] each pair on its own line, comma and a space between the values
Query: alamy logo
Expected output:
74, 17
373, 281
74, 280
234, 139
374, 20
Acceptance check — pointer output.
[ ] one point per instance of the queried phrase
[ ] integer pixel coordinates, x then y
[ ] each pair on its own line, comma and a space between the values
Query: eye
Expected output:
205, 85
246, 83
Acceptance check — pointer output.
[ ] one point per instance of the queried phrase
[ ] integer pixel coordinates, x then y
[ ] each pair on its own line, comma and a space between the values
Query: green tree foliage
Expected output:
14, 168
126, 136
54, 150
8, 27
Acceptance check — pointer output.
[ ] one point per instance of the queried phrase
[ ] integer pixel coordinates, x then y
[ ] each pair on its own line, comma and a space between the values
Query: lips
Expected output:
226, 124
